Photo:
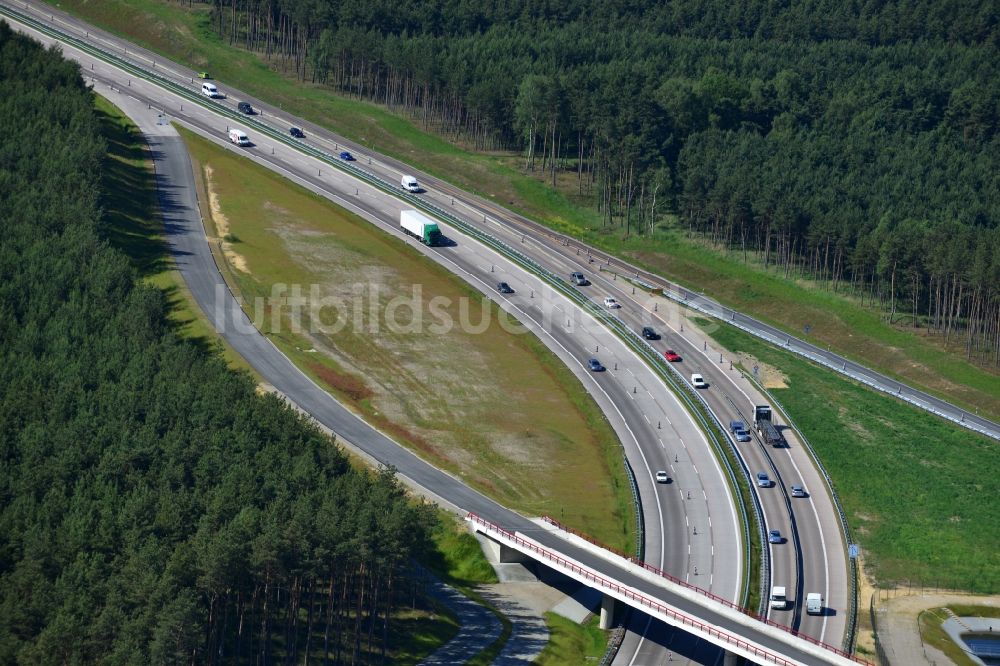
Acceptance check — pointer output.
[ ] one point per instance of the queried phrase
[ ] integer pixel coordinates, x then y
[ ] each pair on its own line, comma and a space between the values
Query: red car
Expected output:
672, 356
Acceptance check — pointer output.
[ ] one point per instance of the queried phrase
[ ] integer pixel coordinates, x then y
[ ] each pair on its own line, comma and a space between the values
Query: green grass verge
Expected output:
497, 408
416, 634
572, 643
456, 557
184, 34
919, 493
132, 224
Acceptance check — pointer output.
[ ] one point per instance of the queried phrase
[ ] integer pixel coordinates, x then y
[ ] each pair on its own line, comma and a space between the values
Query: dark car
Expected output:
649, 333
738, 428
595, 365
297, 133
346, 156
244, 107
504, 288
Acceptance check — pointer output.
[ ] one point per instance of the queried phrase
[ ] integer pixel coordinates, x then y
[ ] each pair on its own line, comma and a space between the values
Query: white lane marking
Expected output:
822, 541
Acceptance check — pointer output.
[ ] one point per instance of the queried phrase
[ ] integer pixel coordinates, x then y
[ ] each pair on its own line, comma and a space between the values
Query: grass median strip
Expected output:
495, 407
919, 493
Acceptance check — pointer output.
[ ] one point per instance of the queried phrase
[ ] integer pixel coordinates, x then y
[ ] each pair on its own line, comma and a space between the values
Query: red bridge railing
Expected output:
648, 602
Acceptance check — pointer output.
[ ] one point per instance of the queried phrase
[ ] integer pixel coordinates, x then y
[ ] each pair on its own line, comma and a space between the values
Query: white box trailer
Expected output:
239, 137
420, 227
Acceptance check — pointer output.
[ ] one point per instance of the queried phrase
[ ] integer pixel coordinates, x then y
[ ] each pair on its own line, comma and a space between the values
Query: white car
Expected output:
611, 303
661, 477
698, 381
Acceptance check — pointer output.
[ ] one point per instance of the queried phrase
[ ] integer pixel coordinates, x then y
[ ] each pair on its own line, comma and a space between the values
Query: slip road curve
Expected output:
194, 259
248, 342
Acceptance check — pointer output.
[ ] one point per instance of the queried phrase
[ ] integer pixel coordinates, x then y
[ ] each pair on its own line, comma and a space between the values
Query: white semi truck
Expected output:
420, 227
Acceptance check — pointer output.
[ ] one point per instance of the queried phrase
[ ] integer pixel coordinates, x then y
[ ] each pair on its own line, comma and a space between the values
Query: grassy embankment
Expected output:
184, 34
920, 494
274, 233
497, 409
133, 226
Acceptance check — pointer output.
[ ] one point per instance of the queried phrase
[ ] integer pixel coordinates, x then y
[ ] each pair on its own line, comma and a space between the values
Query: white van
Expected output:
410, 184
209, 90
814, 603
698, 381
778, 599
239, 137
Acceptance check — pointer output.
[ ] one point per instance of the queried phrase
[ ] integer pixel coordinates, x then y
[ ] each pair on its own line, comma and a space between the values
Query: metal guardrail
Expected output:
845, 528
838, 368
640, 522
765, 552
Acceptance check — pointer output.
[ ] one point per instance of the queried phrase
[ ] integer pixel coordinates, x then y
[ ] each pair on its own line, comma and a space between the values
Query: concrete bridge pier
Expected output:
607, 612
503, 554
729, 659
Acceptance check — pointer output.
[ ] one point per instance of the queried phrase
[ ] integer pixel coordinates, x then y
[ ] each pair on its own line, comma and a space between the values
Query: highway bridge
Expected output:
685, 606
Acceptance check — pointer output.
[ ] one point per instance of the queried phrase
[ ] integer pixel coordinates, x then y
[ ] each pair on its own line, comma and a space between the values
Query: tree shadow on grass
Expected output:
130, 221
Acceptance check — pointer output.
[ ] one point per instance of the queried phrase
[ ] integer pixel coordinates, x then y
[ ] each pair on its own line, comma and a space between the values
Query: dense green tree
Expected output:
154, 509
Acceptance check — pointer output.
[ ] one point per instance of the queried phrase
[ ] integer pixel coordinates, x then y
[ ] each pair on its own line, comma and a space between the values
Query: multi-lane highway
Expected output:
194, 259
717, 548
813, 559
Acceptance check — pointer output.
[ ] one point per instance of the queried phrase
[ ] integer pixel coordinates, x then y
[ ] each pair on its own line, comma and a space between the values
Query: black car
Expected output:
504, 288
649, 333
297, 133
595, 365
245, 107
